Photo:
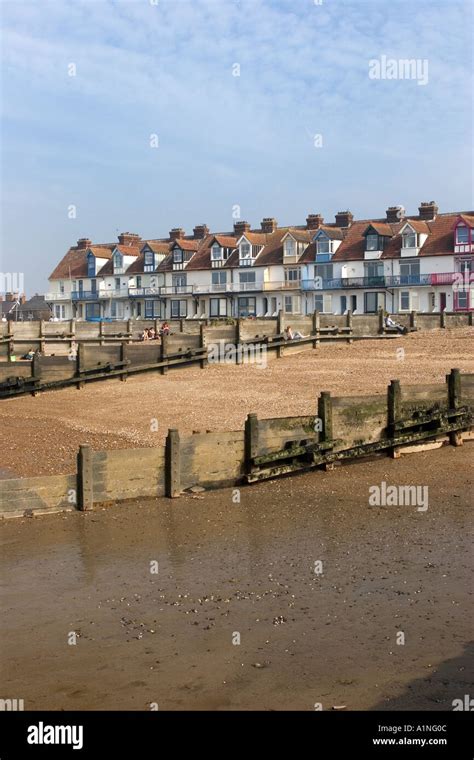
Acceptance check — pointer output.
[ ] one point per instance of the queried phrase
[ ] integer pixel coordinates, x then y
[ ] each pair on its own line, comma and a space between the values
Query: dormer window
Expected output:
409, 239
177, 256
462, 235
245, 250
91, 265
289, 247
372, 243
323, 245
217, 253
118, 263
149, 261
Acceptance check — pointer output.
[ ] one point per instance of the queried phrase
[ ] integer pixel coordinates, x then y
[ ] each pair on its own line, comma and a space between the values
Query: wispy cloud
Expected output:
168, 69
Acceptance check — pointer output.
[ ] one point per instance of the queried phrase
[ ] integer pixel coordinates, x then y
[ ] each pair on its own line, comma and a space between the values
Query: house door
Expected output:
442, 301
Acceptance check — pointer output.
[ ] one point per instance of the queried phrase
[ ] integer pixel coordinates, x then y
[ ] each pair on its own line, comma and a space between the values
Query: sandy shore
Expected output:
41, 435
248, 568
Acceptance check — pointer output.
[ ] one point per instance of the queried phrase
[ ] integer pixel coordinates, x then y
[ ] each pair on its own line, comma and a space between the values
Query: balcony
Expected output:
174, 290
85, 295
112, 293
282, 285
143, 292
387, 281
58, 297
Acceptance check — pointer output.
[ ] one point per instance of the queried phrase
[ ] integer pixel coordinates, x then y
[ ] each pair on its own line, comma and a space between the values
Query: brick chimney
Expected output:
344, 219
176, 233
313, 221
428, 210
395, 214
83, 243
240, 228
268, 224
128, 238
200, 231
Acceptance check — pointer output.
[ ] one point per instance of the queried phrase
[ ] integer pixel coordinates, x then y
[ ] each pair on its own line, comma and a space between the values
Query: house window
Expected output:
323, 246
139, 281
405, 300
245, 254
216, 252
372, 243
409, 239
462, 235
292, 276
178, 281
61, 288
324, 271
94, 286
220, 278
218, 307
323, 302
247, 277
91, 270
177, 256
410, 273
292, 304
289, 247
152, 309
118, 262
117, 283
92, 311
247, 307
179, 308
374, 272
149, 261
373, 302
462, 301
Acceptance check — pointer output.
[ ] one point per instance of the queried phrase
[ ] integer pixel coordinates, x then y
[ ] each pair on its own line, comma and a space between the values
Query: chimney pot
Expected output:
344, 219
428, 210
176, 233
240, 228
268, 224
200, 231
128, 238
313, 221
395, 214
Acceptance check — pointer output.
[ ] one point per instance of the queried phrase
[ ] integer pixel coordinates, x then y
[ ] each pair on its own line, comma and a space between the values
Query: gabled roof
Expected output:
466, 218
381, 228
225, 241
100, 252
186, 245
301, 236
157, 246
416, 225
334, 233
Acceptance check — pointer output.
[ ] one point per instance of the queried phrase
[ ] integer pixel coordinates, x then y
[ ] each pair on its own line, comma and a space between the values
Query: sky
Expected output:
144, 115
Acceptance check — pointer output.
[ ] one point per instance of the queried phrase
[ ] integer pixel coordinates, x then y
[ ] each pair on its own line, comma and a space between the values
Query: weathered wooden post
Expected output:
279, 329
164, 353
381, 321
442, 319
202, 344
413, 320
316, 326
251, 440
80, 364
454, 401
123, 359
394, 401
325, 422
130, 331
172, 465
85, 479
349, 325
41, 335
101, 333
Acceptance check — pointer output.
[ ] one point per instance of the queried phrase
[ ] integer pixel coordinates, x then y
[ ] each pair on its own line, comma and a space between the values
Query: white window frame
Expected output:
289, 247
464, 228
409, 239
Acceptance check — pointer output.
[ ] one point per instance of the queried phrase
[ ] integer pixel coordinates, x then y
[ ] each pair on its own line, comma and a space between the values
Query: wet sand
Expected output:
248, 568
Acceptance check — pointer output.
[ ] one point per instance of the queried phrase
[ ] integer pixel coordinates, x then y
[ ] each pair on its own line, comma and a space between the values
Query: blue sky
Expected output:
166, 68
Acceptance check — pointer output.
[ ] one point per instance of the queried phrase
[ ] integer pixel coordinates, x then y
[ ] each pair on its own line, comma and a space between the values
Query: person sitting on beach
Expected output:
293, 335
151, 333
393, 325
165, 329
144, 335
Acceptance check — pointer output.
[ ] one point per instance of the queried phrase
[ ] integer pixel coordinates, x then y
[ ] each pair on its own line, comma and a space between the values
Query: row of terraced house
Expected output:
399, 263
